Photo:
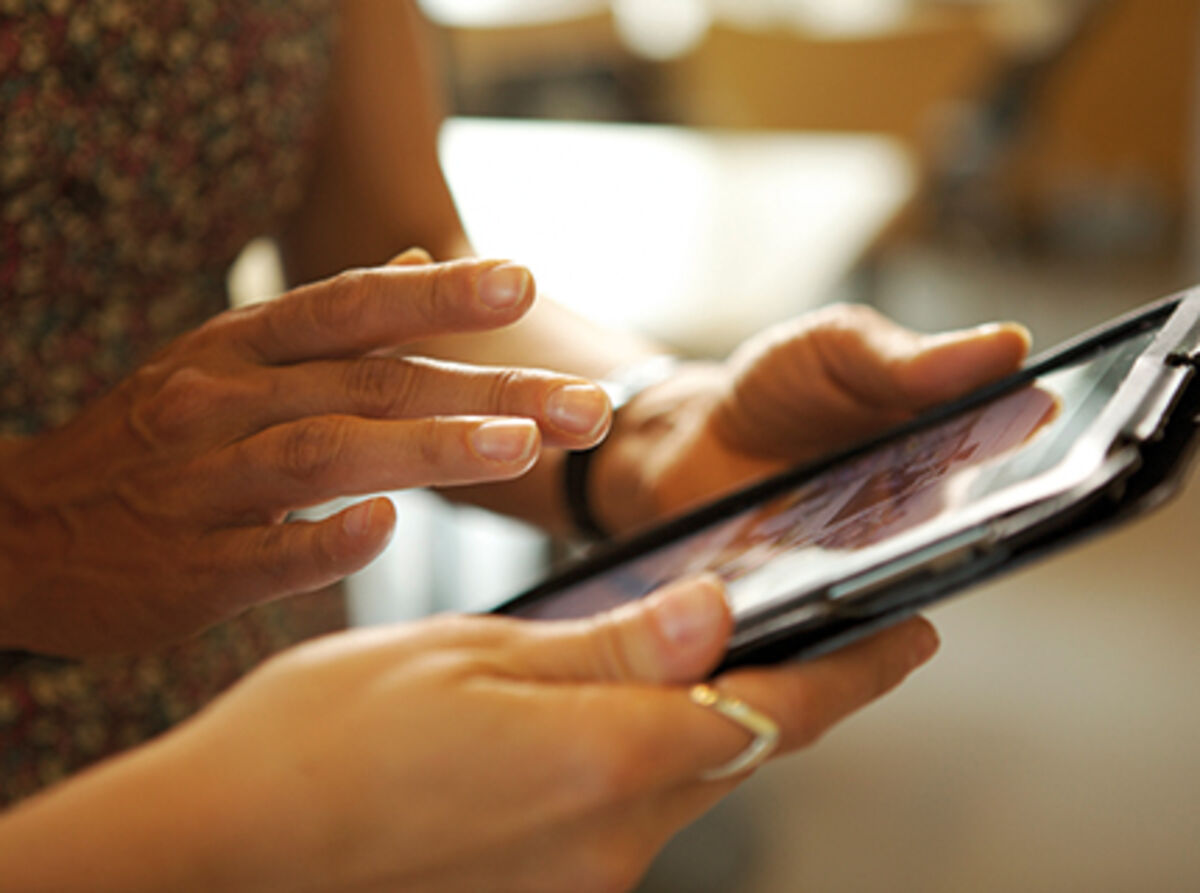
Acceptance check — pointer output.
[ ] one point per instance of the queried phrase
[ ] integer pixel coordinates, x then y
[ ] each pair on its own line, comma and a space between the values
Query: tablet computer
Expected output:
1091, 433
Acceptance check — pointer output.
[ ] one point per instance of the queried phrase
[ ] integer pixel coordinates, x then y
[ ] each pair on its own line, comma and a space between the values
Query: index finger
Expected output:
363, 310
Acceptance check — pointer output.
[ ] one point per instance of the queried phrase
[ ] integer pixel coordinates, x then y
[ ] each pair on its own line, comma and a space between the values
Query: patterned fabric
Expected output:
141, 145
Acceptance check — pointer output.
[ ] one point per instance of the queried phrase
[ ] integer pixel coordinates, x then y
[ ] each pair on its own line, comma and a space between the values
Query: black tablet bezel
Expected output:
1160, 460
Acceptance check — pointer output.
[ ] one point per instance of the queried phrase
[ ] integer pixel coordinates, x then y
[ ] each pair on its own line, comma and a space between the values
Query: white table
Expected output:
699, 238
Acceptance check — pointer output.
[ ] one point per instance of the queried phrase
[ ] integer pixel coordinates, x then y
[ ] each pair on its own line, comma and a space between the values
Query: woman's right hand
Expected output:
473, 754
160, 509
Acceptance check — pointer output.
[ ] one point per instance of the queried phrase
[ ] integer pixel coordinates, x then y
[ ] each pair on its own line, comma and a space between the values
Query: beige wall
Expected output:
783, 79
1123, 104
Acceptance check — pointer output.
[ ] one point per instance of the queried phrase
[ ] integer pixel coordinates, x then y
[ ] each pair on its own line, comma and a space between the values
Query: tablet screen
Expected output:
832, 525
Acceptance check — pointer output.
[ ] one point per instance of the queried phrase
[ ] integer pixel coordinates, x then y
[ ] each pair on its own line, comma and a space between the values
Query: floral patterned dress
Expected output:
142, 144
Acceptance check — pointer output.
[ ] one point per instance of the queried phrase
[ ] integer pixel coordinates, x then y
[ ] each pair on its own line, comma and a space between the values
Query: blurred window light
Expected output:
662, 29
666, 28
485, 13
843, 18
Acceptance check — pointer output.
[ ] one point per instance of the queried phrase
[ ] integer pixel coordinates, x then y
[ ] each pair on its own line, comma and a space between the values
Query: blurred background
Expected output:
699, 168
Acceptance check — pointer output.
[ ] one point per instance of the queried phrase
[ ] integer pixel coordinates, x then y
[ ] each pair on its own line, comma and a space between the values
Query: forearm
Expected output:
378, 188
134, 824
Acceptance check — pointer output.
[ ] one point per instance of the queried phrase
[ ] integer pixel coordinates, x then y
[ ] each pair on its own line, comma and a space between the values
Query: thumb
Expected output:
879, 364
836, 376
954, 363
676, 635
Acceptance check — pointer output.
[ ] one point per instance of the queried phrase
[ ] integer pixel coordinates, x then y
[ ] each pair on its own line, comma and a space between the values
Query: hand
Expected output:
455, 754
160, 509
796, 391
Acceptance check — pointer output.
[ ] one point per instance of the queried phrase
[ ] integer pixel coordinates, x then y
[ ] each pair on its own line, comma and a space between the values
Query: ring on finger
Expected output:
764, 729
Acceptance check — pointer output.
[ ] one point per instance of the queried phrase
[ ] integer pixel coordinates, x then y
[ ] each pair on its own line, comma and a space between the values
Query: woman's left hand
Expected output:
477, 753
792, 393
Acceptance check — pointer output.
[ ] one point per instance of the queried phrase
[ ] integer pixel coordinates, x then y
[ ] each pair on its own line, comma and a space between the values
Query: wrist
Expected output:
621, 386
632, 480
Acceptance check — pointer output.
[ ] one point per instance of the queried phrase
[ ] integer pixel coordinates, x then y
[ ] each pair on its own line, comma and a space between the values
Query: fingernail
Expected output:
1017, 329
357, 521
989, 329
503, 287
578, 408
985, 330
689, 611
505, 440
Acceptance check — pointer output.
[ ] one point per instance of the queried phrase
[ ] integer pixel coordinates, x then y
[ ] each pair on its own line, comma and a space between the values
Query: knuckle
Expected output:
612, 658
219, 334
274, 321
289, 559
432, 443
341, 308
186, 399
839, 325
311, 447
380, 386
212, 331
437, 300
505, 386
271, 556
323, 556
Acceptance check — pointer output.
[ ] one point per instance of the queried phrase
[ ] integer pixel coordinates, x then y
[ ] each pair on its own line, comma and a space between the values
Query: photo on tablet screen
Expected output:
839, 521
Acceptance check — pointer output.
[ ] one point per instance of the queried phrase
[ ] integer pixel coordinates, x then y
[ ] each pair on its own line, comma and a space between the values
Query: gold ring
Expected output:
764, 729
